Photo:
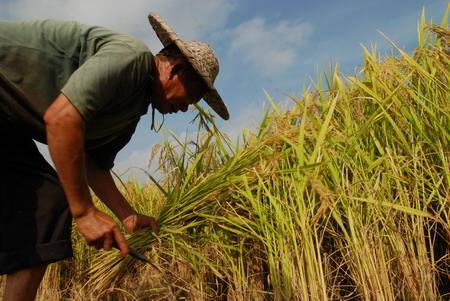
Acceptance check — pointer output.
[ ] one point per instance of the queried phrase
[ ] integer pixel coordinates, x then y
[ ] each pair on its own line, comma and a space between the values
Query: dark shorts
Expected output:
35, 222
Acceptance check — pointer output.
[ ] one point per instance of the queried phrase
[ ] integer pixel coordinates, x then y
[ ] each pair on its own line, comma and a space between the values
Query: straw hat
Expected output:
200, 55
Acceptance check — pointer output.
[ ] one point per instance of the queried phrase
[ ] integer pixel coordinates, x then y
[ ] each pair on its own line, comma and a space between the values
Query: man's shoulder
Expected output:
53, 29
39, 30
105, 36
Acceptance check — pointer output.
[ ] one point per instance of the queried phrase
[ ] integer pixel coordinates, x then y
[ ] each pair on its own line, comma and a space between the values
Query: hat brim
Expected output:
168, 36
213, 99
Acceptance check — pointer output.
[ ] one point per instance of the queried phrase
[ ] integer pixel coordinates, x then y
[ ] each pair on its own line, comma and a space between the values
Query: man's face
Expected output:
181, 87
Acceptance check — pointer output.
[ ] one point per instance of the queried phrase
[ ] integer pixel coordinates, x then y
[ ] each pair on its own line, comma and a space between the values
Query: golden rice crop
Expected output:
343, 196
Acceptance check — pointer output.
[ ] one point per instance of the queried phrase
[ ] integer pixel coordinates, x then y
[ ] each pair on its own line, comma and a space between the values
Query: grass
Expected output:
344, 196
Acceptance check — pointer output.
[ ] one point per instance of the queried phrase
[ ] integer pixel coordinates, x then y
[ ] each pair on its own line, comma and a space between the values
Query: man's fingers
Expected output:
120, 241
149, 222
108, 242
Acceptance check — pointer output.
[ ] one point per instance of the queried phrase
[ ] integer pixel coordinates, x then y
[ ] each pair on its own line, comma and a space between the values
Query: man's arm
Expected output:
102, 182
65, 138
103, 185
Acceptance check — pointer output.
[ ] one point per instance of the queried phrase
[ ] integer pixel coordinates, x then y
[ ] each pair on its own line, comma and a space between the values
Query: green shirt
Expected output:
106, 76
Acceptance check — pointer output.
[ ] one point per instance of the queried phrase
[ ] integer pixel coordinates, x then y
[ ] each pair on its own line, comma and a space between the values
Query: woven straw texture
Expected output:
200, 55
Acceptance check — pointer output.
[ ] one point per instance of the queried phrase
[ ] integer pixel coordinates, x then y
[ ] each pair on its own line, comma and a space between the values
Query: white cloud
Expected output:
190, 19
134, 165
271, 48
248, 118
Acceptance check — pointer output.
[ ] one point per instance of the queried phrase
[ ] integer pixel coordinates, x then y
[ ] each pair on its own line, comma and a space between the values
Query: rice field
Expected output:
344, 195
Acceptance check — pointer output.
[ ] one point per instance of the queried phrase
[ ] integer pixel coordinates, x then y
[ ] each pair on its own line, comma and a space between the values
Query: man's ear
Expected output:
173, 71
176, 68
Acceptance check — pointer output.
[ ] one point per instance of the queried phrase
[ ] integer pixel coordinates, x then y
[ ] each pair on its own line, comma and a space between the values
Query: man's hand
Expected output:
102, 182
136, 222
101, 231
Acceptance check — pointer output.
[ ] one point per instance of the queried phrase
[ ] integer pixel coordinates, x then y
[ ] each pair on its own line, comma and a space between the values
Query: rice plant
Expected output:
344, 196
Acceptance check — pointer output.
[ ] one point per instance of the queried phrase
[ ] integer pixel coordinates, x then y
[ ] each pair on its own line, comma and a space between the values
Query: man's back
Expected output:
99, 70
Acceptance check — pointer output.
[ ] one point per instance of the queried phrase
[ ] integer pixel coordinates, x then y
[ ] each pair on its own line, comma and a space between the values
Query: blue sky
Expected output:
277, 46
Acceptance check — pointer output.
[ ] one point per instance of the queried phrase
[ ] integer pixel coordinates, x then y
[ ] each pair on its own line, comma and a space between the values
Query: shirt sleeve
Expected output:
101, 79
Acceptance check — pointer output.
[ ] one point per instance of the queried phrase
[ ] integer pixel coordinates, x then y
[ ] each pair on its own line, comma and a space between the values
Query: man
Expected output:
81, 90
